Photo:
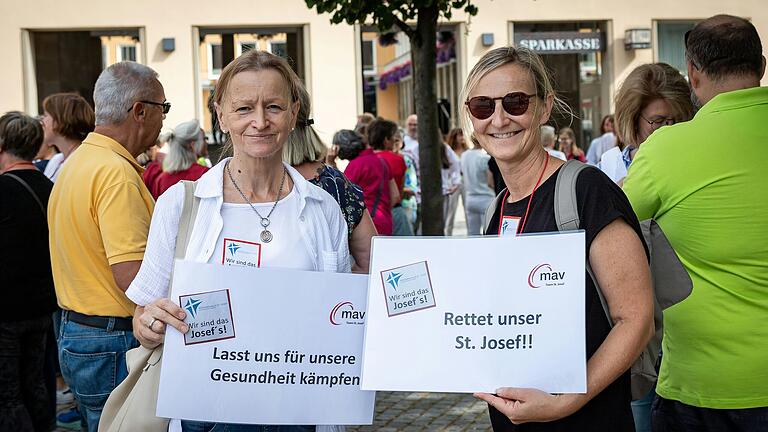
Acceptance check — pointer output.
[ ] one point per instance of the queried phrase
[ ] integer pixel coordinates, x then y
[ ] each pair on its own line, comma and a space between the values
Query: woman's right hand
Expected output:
149, 321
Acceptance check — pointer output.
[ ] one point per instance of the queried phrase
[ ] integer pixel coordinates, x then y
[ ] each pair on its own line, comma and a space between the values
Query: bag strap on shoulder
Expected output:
187, 219
567, 215
31, 191
492, 209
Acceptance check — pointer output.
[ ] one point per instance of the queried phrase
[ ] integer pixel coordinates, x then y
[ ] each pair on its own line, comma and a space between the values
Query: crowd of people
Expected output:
91, 203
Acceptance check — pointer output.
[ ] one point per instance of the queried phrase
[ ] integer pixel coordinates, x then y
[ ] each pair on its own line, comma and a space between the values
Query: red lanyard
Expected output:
530, 200
16, 164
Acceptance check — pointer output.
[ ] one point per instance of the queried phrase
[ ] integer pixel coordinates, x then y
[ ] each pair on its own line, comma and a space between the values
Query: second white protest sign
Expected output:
476, 314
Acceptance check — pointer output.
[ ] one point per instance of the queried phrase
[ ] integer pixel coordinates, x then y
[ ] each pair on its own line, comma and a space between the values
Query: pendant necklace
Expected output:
266, 236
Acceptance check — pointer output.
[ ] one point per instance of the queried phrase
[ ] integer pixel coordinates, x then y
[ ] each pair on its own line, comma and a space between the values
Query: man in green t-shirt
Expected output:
704, 181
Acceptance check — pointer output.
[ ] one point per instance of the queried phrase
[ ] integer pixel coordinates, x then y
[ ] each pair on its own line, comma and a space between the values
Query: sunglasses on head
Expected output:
482, 107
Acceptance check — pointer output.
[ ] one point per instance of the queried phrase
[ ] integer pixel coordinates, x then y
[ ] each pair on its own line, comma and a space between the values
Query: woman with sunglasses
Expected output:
508, 96
652, 96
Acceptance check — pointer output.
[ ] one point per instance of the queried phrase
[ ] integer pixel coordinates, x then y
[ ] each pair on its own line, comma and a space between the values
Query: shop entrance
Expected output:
574, 53
71, 61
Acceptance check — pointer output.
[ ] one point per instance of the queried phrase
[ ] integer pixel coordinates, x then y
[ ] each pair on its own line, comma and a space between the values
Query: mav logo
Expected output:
344, 313
543, 274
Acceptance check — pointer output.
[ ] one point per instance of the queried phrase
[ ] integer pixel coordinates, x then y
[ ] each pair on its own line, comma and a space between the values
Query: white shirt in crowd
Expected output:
451, 176
474, 166
411, 145
53, 167
556, 153
321, 229
613, 165
600, 145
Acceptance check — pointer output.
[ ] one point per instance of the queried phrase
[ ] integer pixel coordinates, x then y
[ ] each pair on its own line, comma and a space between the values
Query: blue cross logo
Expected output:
394, 279
233, 248
192, 306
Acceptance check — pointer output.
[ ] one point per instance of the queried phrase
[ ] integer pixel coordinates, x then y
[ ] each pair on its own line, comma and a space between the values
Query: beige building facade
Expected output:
50, 46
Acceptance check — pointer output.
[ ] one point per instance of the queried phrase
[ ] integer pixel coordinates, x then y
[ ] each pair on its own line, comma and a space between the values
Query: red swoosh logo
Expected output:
535, 269
335, 309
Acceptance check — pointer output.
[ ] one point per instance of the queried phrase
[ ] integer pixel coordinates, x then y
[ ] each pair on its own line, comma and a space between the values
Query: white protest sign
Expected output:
266, 346
476, 314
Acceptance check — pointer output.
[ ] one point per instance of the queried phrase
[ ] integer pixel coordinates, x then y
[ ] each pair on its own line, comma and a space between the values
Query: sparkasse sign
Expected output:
561, 42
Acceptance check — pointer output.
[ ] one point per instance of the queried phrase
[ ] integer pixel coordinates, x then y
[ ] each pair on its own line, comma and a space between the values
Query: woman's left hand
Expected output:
524, 405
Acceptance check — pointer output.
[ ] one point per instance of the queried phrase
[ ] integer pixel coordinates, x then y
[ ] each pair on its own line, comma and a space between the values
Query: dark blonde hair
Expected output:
255, 60
642, 86
74, 118
529, 61
304, 144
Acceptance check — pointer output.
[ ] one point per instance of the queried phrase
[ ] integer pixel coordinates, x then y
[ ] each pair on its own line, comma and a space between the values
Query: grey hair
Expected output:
547, 135
118, 87
182, 142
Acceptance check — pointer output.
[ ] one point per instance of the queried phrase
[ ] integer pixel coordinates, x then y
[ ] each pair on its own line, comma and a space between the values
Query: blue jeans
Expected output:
93, 364
641, 411
195, 426
673, 416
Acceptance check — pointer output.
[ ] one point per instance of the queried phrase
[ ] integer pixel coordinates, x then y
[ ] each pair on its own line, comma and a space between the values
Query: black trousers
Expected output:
24, 400
673, 416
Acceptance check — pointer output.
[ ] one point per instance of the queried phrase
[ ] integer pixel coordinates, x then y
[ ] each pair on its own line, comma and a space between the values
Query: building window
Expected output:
672, 44
215, 60
279, 49
369, 57
247, 46
126, 53
104, 56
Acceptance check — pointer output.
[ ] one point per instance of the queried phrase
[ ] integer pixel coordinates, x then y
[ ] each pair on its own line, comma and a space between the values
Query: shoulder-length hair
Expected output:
642, 86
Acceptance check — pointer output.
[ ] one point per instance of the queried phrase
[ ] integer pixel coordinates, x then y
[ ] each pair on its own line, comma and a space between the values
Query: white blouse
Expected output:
317, 216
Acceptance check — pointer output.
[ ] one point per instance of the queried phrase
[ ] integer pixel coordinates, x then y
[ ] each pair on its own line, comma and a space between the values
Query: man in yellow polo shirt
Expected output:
99, 214
704, 182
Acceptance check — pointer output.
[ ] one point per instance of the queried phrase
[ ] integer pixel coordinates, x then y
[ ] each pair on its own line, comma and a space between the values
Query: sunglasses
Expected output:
166, 106
482, 107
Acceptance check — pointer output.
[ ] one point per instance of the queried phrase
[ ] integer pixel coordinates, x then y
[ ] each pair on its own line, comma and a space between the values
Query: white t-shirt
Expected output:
54, 166
612, 164
474, 165
239, 243
556, 153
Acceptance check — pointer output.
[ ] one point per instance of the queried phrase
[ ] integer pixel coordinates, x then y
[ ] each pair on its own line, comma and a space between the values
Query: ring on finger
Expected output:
151, 323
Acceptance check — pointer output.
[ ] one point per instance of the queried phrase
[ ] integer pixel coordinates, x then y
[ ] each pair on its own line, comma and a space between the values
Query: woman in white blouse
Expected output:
254, 209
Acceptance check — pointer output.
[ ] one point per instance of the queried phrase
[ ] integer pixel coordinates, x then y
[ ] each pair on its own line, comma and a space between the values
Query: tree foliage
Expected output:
387, 14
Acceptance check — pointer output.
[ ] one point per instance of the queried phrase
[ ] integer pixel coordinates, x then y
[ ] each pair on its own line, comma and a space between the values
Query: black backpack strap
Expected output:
31, 191
567, 214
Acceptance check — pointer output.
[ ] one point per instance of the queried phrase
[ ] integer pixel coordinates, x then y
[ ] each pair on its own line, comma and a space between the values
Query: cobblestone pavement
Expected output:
397, 411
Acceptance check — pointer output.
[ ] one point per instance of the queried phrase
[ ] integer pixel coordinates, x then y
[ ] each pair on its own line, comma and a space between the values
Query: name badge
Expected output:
241, 253
509, 226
